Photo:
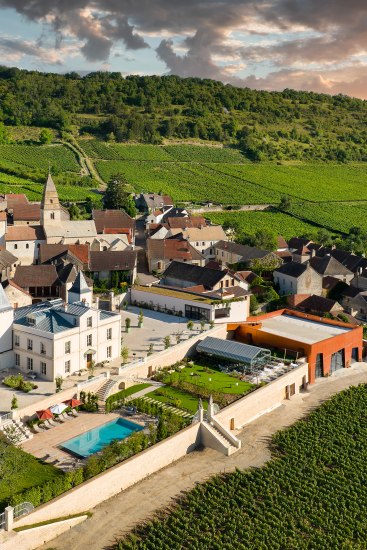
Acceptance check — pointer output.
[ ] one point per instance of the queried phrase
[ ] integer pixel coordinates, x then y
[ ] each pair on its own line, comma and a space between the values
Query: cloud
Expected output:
14, 50
197, 37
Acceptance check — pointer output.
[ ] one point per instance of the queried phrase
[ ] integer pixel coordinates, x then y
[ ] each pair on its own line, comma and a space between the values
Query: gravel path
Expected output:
119, 514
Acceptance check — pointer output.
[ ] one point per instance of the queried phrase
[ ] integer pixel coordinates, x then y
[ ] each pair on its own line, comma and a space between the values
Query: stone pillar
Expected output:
112, 305
9, 518
210, 413
97, 302
200, 411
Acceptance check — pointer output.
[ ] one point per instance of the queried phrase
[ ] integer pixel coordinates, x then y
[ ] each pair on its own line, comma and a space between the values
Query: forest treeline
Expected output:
266, 125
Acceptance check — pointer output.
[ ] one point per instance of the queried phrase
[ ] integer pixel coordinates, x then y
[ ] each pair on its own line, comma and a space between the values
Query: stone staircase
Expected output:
231, 448
102, 390
18, 428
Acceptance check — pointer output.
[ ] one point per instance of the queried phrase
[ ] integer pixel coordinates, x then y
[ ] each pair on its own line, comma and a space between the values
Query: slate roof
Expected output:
113, 260
80, 285
292, 269
112, 219
350, 292
77, 309
340, 255
36, 275
50, 320
296, 242
26, 212
354, 263
318, 303
194, 274
25, 233
247, 252
330, 266
4, 302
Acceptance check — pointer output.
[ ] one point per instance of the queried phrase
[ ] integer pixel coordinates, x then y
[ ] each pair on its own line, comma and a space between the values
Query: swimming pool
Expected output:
93, 441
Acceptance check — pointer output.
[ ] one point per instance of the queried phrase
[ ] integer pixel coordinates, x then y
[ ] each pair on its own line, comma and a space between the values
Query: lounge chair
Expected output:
37, 429
74, 413
64, 417
48, 425
52, 422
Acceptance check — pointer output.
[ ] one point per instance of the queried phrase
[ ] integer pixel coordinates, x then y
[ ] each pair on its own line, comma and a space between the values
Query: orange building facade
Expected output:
328, 345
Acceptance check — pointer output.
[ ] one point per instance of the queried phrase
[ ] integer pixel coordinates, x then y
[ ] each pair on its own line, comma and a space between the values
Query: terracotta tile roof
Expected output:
13, 199
258, 289
25, 233
112, 260
352, 320
117, 231
167, 200
112, 219
172, 249
329, 282
81, 251
36, 275
282, 243
247, 276
27, 212
7, 259
157, 213
11, 283
194, 221
155, 227
198, 288
284, 255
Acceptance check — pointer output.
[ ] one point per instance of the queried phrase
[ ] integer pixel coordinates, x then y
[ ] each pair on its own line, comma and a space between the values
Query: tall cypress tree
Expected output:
117, 194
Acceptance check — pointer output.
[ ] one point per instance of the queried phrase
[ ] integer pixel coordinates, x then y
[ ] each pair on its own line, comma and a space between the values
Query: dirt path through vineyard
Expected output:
119, 514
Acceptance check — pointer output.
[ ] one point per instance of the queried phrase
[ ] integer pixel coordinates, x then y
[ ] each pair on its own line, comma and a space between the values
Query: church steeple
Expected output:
50, 206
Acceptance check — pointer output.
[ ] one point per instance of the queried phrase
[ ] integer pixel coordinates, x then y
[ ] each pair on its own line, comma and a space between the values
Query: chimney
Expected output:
201, 226
360, 269
308, 264
64, 307
313, 252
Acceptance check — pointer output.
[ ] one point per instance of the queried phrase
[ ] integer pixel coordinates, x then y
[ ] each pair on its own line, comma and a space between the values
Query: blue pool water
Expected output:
94, 440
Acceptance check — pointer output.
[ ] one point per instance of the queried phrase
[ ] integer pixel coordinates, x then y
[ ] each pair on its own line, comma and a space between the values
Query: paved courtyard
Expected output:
155, 327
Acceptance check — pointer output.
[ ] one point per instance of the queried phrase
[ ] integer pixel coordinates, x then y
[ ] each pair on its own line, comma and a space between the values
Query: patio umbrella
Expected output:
44, 414
58, 409
72, 403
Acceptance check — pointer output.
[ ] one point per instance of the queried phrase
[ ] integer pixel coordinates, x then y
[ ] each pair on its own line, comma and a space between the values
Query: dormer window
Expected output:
31, 321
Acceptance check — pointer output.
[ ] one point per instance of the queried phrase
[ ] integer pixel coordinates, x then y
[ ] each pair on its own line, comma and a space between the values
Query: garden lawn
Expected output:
220, 382
36, 474
188, 401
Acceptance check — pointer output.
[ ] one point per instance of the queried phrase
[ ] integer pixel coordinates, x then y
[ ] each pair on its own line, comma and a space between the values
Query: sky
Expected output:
314, 45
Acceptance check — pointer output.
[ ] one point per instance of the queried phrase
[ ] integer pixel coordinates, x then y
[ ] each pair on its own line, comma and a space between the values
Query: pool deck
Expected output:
44, 444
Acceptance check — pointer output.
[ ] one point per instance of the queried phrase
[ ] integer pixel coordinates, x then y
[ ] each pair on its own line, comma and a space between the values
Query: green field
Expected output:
34, 191
35, 474
273, 221
38, 156
219, 382
311, 496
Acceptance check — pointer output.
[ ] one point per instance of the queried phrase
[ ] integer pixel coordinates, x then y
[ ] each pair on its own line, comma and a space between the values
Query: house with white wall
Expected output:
55, 338
24, 242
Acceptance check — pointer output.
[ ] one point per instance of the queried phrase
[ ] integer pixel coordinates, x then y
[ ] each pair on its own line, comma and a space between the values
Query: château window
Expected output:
15, 247
52, 215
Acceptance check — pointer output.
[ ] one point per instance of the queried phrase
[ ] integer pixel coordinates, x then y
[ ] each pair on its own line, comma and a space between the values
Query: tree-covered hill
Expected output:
288, 125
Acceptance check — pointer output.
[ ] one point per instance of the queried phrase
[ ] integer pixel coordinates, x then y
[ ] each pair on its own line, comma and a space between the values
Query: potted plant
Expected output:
14, 402
190, 325
128, 324
59, 382
124, 305
140, 319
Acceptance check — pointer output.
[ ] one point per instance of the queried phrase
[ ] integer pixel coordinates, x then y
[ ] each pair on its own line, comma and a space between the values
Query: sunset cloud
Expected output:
270, 44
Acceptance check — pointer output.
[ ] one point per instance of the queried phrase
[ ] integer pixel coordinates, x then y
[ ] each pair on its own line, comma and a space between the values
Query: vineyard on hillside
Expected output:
194, 153
339, 217
34, 192
311, 496
37, 156
305, 182
272, 221
187, 182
